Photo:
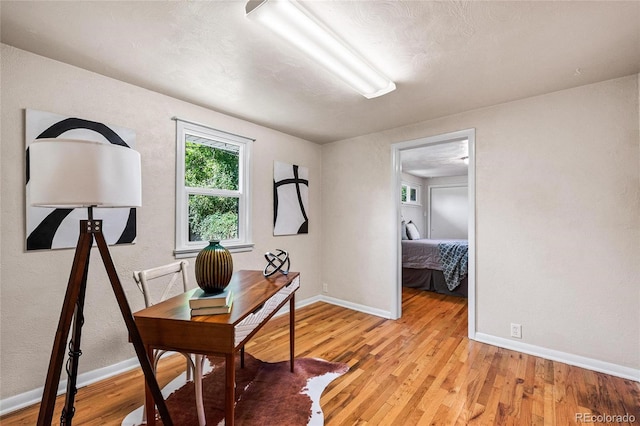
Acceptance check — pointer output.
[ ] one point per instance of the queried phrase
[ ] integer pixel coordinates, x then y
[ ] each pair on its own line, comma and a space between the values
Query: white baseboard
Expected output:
299, 304
564, 357
355, 306
337, 302
34, 396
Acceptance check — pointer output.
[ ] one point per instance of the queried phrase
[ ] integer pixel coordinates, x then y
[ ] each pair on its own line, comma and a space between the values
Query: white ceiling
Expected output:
445, 159
445, 57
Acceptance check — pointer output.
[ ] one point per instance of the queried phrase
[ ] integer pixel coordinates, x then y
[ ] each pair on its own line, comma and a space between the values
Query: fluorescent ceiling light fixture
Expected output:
291, 21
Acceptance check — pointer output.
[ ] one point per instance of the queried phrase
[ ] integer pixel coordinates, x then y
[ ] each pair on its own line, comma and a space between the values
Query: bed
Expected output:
436, 265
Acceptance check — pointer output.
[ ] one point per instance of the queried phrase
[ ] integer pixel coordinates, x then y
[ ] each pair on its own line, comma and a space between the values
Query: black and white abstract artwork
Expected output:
49, 228
290, 199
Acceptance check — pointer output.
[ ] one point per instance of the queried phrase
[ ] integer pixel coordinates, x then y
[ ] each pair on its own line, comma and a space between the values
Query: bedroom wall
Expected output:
557, 224
416, 213
32, 284
461, 214
447, 180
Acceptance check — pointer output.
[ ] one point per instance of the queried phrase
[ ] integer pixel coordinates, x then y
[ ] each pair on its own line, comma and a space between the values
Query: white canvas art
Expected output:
49, 228
290, 199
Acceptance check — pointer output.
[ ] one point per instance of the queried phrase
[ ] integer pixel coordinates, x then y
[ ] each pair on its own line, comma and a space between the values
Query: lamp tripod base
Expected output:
73, 308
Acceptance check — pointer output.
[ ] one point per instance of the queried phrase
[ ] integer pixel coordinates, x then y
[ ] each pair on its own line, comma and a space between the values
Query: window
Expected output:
410, 193
212, 189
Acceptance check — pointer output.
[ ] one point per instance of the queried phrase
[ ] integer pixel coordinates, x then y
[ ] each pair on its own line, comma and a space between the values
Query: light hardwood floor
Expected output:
420, 370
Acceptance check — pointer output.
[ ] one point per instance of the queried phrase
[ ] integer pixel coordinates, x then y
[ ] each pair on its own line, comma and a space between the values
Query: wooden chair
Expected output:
175, 270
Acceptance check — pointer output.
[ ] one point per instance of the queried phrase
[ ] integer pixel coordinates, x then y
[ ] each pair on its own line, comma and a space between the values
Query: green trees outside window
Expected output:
212, 167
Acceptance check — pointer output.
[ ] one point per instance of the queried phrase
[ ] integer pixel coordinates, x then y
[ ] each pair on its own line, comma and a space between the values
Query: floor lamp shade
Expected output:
68, 173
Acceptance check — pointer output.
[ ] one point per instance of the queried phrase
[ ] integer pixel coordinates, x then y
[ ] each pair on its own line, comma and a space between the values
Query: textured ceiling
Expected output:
445, 57
438, 160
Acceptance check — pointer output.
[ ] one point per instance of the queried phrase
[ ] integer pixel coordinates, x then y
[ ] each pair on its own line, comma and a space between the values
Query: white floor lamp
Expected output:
69, 173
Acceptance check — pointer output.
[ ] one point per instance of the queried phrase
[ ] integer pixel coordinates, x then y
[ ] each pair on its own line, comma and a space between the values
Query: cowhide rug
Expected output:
266, 393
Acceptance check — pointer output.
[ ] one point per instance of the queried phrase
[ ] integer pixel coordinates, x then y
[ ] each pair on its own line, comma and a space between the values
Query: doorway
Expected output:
440, 143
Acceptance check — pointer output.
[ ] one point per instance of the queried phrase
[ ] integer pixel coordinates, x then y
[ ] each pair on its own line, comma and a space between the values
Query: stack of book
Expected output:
202, 303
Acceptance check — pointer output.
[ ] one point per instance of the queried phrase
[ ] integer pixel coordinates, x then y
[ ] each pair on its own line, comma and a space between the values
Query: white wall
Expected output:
447, 180
459, 215
412, 212
32, 284
557, 224
448, 212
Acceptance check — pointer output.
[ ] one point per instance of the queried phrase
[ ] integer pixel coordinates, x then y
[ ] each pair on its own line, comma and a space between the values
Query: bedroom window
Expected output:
212, 189
410, 193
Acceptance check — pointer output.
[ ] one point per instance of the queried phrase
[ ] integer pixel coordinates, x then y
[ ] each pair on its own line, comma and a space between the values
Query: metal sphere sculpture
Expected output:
276, 262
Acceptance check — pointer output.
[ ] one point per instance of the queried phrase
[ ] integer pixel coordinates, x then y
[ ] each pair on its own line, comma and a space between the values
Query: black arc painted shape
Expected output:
304, 228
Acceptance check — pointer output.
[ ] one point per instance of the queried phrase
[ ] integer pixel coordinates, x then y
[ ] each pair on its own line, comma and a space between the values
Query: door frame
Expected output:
396, 181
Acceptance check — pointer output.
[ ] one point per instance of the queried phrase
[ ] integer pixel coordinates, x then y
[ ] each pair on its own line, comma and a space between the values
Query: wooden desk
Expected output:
169, 325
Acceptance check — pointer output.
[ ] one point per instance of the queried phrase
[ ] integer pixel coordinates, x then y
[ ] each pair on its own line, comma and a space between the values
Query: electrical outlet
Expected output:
325, 287
516, 331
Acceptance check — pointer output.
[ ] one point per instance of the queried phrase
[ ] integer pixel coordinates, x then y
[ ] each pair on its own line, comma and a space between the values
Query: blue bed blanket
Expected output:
455, 260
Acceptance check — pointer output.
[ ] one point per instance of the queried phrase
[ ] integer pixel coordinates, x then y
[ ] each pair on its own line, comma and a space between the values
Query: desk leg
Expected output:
150, 407
292, 328
230, 389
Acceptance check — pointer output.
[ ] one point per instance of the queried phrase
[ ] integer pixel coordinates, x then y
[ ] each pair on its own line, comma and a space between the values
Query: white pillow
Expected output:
403, 230
412, 231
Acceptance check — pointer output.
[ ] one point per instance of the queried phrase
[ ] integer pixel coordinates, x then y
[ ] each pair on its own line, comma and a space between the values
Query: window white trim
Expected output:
184, 247
418, 191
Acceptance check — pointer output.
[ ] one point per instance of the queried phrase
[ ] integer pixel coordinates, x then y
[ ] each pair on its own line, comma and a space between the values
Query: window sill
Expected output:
193, 252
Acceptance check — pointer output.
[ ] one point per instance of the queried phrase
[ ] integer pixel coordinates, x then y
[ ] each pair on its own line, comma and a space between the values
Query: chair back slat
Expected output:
176, 269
